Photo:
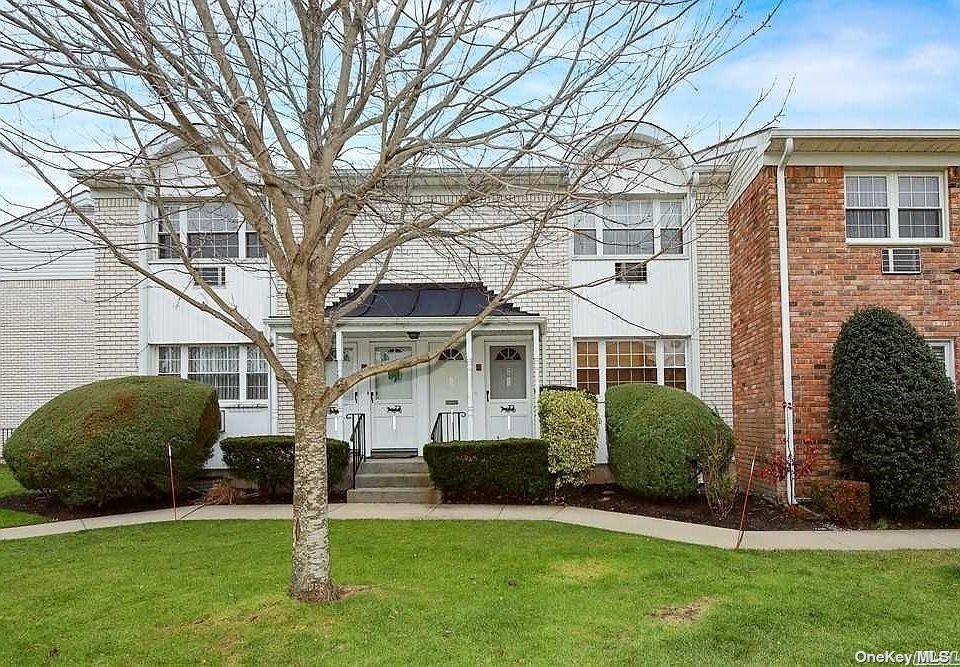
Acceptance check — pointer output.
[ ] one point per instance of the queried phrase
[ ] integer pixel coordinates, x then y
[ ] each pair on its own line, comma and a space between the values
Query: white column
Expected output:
273, 396
341, 418
469, 357
536, 380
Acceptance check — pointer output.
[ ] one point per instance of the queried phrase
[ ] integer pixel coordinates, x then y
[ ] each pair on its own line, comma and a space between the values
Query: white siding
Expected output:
50, 250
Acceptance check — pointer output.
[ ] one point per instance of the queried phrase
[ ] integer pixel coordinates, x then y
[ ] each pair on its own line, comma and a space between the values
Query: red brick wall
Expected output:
755, 326
829, 280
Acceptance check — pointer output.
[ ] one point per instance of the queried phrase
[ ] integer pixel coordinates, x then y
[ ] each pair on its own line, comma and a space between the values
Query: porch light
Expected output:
413, 335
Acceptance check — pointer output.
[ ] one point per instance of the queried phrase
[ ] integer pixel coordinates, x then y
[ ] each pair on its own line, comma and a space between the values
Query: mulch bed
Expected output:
761, 513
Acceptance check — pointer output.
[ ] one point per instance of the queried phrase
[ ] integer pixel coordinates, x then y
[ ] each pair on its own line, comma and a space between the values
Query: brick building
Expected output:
866, 216
743, 262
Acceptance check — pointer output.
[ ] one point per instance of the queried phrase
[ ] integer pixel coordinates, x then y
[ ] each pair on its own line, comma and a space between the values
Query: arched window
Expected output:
451, 354
508, 354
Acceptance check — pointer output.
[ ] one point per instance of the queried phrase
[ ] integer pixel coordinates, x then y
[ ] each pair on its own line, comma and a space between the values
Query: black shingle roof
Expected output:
424, 300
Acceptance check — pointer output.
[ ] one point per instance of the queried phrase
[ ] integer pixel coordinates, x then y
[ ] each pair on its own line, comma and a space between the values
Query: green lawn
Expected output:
461, 593
10, 487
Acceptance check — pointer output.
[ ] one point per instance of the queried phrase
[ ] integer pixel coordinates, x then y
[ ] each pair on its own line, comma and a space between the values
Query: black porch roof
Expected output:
424, 300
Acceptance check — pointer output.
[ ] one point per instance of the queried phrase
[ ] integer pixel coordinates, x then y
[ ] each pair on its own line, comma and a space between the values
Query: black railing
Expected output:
358, 442
446, 427
5, 434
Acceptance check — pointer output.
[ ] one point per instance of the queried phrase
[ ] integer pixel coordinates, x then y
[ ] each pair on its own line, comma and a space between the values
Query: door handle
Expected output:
488, 394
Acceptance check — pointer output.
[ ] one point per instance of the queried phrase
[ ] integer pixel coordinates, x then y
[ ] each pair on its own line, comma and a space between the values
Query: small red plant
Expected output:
845, 501
778, 467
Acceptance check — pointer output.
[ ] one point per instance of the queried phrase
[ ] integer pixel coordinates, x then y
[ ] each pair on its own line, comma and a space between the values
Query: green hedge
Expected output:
108, 440
893, 412
268, 460
570, 424
655, 436
514, 467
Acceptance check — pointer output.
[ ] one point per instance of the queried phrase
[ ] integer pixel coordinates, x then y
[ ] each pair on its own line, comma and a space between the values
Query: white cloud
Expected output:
847, 69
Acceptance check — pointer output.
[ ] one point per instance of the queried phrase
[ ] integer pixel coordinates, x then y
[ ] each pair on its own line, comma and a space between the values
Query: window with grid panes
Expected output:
217, 366
671, 227
918, 207
258, 375
588, 366
630, 361
675, 363
628, 227
168, 362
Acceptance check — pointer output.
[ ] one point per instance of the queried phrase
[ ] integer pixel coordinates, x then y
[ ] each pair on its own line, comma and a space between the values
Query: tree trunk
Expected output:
310, 579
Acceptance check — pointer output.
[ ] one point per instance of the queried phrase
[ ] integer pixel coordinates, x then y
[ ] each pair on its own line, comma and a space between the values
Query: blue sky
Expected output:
851, 64
847, 64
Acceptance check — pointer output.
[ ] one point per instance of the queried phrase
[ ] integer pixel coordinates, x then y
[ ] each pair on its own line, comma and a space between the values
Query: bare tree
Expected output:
345, 133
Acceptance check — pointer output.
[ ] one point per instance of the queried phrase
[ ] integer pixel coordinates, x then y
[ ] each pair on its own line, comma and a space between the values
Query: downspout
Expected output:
785, 339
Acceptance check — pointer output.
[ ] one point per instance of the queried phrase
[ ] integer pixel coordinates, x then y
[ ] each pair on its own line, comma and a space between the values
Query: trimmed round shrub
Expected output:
893, 412
570, 424
108, 440
658, 437
268, 460
515, 467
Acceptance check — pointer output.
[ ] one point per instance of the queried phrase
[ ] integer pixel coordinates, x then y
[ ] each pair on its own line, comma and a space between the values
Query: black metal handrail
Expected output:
446, 427
358, 442
5, 434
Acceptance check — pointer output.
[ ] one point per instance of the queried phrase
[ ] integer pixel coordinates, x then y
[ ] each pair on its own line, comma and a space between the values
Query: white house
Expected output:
84, 316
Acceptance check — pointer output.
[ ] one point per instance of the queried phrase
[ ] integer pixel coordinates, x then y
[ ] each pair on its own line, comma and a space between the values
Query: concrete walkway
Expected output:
676, 531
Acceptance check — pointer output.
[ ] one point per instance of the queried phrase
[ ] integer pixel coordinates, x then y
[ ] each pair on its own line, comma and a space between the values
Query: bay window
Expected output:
894, 207
601, 364
630, 228
237, 372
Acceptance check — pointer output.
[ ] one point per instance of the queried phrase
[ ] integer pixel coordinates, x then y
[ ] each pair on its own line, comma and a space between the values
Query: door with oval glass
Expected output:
448, 394
337, 424
392, 401
508, 391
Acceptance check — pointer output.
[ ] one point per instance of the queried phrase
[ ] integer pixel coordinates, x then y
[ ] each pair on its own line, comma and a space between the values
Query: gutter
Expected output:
785, 338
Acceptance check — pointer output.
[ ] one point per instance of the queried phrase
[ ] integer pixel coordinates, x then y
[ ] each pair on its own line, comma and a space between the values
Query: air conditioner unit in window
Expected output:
215, 276
630, 272
900, 260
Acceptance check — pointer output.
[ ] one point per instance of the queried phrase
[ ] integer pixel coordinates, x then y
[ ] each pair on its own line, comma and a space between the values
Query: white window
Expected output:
237, 372
893, 207
212, 230
631, 228
168, 360
601, 364
258, 375
217, 366
943, 351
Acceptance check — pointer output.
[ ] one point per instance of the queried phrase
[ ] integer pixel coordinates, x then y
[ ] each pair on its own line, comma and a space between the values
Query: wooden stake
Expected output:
746, 498
173, 486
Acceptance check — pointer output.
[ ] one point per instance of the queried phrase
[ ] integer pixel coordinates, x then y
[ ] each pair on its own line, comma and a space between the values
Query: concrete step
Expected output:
411, 466
394, 495
384, 480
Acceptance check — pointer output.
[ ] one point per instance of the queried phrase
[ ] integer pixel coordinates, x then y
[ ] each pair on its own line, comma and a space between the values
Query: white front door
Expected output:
393, 408
448, 394
337, 424
508, 391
